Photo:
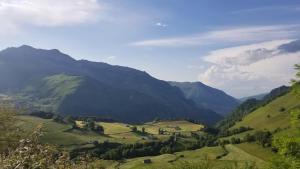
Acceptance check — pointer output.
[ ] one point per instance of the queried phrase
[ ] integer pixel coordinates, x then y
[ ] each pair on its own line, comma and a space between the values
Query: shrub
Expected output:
9, 130
32, 155
133, 129
282, 109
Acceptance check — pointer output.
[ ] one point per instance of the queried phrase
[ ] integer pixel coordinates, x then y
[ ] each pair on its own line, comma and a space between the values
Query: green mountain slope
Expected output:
205, 96
50, 92
83, 96
273, 115
102, 89
249, 106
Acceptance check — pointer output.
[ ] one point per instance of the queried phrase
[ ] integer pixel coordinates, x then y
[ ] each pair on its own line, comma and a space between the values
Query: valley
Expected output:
58, 134
217, 153
100, 116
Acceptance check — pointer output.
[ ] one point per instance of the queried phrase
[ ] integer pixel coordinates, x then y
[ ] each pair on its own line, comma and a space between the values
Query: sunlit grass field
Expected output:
272, 116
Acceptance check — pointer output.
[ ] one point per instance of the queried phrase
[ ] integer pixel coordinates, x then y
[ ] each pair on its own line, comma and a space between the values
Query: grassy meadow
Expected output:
273, 115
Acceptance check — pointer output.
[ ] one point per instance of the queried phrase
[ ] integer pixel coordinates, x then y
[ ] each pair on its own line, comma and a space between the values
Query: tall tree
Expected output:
297, 78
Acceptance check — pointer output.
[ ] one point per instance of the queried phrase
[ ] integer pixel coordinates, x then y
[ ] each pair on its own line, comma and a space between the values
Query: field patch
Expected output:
257, 150
171, 126
238, 154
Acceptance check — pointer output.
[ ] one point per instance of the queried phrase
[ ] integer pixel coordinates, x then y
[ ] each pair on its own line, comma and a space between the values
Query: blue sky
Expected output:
220, 43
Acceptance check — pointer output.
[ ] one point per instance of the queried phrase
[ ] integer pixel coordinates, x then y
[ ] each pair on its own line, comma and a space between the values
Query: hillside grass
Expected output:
120, 131
257, 150
58, 133
240, 135
49, 92
272, 116
171, 160
237, 155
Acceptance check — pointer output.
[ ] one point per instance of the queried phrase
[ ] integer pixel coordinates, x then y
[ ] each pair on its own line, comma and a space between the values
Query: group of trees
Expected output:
205, 139
141, 149
297, 79
91, 125
226, 133
288, 146
134, 129
161, 131
114, 151
263, 138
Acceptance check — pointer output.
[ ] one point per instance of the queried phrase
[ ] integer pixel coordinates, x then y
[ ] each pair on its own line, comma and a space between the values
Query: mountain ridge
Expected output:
206, 96
24, 66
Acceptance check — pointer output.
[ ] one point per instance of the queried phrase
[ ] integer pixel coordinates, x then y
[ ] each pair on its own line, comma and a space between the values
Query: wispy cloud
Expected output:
245, 55
269, 9
226, 35
17, 13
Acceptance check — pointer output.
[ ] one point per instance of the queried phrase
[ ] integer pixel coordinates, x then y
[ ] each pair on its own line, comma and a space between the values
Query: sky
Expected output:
232, 45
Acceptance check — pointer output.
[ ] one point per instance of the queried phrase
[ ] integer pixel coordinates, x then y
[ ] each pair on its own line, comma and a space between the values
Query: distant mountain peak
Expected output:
26, 51
22, 47
207, 97
31, 48
26, 47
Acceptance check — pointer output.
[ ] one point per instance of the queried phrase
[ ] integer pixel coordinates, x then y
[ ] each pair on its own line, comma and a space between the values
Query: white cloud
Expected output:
226, 35
159, 24
109, 59
268, 9
245, 55
17, 13
196, 67
251, 69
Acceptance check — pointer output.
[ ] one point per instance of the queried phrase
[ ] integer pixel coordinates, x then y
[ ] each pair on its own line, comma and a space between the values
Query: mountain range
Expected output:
257, 97
206, 96
49, 80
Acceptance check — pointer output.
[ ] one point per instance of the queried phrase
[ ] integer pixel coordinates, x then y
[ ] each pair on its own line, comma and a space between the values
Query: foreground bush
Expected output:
29, 153
9, 131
